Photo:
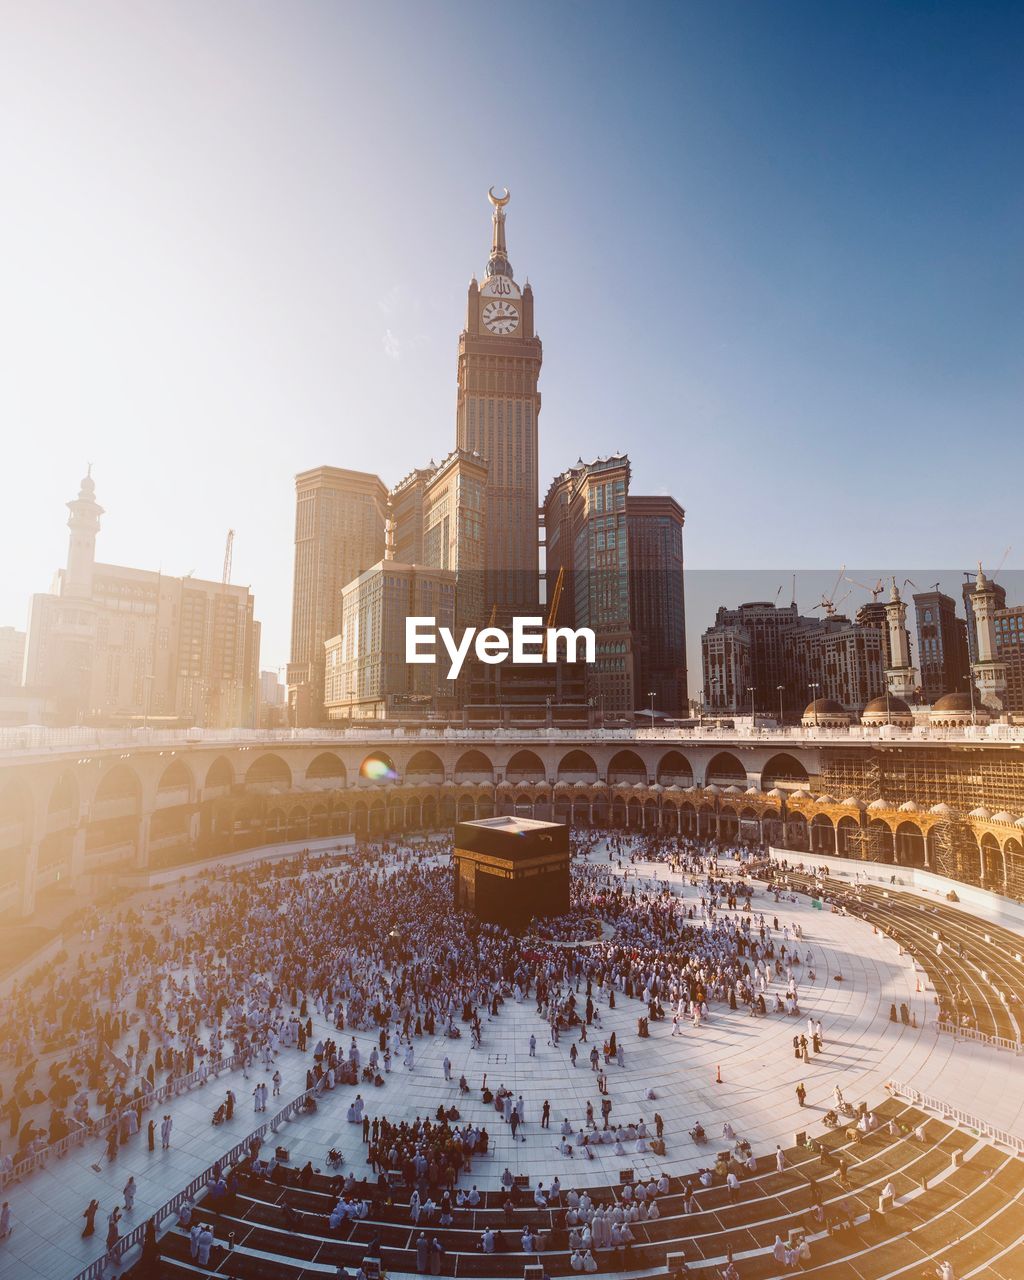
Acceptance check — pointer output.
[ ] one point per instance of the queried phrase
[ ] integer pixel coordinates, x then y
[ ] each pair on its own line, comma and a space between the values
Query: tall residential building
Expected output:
763, 628
875, 615
941, 645
497, 411
777, 654
1009, 629
367, 676
111, 644
405, 506
340, 520
587, 548
845, 660
657, 606
12, 657
455, 531
726, 663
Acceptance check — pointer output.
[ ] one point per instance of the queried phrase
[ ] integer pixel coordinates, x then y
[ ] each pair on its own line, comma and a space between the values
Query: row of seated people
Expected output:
822, 1190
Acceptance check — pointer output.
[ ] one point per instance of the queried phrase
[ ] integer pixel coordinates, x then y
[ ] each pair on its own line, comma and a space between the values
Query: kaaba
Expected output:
508, 870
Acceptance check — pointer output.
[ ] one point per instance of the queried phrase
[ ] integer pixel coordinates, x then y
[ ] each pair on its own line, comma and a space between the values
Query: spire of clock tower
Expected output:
498, 263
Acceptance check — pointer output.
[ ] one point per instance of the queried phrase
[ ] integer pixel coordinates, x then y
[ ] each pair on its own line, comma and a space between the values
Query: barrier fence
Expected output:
95, 1129
981, 1037
954, 1114
95, 1270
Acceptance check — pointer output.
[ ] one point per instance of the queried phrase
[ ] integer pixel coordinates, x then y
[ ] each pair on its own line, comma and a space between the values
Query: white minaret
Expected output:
989, 671
84, 523
901, 676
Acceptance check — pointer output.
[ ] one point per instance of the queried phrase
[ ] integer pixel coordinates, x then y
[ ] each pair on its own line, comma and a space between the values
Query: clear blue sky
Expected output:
776, 252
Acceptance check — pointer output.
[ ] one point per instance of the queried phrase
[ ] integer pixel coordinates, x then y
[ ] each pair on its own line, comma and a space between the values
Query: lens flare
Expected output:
376, 769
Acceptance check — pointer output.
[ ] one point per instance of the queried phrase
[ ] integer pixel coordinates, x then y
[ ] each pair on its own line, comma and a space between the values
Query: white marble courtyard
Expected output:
863, 1050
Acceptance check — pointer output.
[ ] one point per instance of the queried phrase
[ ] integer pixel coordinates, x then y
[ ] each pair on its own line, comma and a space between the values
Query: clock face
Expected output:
501, 317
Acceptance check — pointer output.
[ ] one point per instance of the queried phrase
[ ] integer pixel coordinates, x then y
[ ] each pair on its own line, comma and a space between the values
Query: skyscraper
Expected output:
656, 603
941, 645
497, 411
454, 530
340, 519
587, 547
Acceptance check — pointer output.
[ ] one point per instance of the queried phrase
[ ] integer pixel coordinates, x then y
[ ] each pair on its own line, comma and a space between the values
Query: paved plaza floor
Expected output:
863, 1049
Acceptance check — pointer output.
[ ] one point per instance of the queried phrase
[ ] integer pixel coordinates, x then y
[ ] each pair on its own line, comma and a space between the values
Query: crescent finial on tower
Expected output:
498, 263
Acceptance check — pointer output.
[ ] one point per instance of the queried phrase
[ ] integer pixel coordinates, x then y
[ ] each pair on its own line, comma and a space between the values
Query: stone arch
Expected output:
909, 845
269, 772
728, 823
319, 821
823, 835
429, 813
327, 767
425, 768
298, 822
992, 861
783, 767
797, 833
725, 770
674, 770
377, 816
220, 773
175, 776
880, 840
119, 783
1013, 851
447, 811
378, 767
466, 808
626, 766
525, 766
473, 766
847, 832
577, 766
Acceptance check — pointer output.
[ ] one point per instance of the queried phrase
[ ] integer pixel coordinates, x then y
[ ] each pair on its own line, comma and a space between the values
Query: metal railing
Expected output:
38, 739
980, 1037
135, 1237
170, 1089
954, 1114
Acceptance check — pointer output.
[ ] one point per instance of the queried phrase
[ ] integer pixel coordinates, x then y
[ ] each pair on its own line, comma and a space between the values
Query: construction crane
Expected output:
556, 596
874, 591
229, 547
829, 602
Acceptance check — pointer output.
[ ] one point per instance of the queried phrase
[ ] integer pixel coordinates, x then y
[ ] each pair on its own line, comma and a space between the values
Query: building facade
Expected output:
587, 564
942, 645
340, 520
12, 657
455, 531
366, 673
111, 644
657, 606
768, 659
1009, 629
497, 412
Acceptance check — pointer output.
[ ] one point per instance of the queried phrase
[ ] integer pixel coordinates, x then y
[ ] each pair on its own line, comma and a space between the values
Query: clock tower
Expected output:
498, 407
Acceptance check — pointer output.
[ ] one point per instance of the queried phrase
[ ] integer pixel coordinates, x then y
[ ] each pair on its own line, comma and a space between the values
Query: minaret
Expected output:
989, 671
84, 523
901, 676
